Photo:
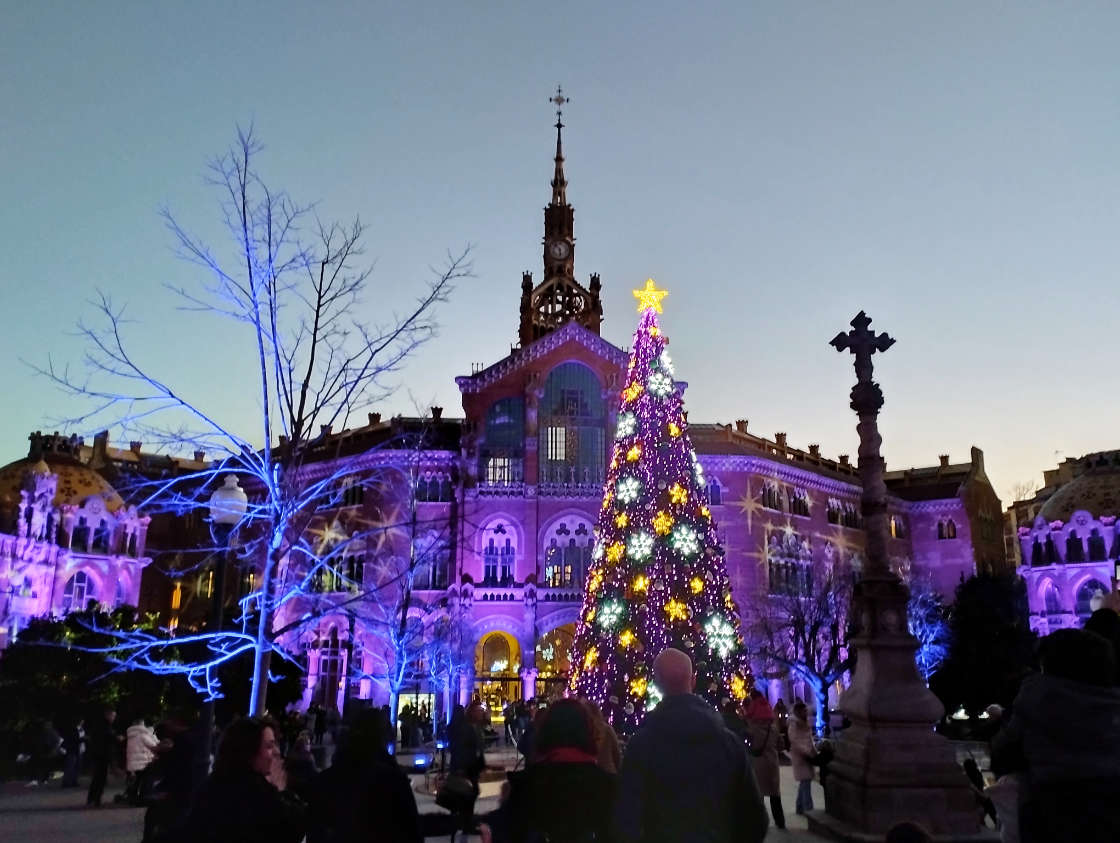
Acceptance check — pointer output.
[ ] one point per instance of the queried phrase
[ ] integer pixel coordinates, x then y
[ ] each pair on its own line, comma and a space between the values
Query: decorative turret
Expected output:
559, 298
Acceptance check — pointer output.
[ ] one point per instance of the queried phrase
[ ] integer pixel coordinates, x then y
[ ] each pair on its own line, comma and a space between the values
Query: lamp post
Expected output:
227, 507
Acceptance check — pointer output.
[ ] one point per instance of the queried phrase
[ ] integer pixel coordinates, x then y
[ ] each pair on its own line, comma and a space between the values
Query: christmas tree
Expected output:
658, 577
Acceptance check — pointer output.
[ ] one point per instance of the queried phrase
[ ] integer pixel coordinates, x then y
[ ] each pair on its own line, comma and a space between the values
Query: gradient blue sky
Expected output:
950, 167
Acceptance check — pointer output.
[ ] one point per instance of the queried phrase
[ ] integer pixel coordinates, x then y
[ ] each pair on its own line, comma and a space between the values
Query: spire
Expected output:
559, 183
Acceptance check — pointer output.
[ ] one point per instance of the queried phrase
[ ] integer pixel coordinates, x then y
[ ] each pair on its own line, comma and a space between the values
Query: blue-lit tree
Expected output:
929, 624
803, 630
291, 290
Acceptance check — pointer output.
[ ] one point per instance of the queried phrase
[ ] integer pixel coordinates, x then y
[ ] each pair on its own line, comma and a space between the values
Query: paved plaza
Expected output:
49, 814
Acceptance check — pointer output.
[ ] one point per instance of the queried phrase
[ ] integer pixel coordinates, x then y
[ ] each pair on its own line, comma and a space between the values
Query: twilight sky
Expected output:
949, 167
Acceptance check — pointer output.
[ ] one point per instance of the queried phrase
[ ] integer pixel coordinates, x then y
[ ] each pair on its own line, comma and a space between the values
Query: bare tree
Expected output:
295, 287
803, 628
1023, 490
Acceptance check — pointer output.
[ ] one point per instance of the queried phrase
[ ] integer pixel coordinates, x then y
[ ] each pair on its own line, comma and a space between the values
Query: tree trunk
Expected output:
262, 652
823, 727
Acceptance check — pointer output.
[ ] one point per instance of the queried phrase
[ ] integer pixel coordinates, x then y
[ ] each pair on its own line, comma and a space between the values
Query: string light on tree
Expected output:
659, 578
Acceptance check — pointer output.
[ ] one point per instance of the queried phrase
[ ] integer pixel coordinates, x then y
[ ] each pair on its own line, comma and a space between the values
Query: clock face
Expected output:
558, 249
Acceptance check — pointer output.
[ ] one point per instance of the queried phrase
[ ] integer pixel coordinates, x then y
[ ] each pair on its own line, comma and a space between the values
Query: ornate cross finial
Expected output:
862, 343
560, 101
649, 297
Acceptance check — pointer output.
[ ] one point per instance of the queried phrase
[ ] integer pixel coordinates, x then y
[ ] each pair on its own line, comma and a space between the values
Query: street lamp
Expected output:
227, 507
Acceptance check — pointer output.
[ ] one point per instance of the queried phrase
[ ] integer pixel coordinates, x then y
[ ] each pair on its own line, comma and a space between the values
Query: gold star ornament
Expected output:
649, 297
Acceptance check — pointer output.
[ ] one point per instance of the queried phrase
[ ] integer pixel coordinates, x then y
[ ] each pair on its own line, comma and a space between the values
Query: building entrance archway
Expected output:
497, 666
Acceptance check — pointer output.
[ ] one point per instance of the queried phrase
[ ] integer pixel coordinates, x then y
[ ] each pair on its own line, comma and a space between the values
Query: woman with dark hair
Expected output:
563, 772
364, 797
243, 800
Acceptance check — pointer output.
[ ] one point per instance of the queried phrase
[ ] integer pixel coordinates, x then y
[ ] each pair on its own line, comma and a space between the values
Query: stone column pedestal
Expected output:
890, 766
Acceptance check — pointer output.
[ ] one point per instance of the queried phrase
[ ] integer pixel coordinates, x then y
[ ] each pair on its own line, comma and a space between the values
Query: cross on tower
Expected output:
559, 100
862, 343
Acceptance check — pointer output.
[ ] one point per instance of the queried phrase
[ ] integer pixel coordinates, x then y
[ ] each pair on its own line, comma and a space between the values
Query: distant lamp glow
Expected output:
960, 714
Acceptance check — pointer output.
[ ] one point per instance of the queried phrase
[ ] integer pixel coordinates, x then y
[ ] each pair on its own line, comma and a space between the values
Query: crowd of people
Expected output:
690, 773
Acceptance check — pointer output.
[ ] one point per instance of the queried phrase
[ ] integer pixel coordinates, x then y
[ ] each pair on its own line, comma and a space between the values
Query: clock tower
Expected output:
559, 298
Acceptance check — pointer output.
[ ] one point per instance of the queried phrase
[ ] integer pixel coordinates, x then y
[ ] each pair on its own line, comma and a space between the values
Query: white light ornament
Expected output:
685, 541
610, 614
664, 363
721, 635
639, 546
659, 384
597, 551
627, 426
628, 489
653, 696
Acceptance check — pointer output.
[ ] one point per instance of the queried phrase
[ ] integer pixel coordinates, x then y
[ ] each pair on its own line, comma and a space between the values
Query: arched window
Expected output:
1052, 556
898, 527
573, 421
78, 591
330, 671
499, 553
1038, 556
567, 556
1085, 595
502, 451
496, 656
101, 537
1098, 551
1075, 548
433, 561
715, 493
1052, 599
80, 539
950, 529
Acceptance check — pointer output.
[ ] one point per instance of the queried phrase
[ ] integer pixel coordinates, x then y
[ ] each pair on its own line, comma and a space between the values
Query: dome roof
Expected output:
1096, 490
76, 482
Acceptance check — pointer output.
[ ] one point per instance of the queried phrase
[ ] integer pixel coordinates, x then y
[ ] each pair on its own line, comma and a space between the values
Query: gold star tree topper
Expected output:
650, 297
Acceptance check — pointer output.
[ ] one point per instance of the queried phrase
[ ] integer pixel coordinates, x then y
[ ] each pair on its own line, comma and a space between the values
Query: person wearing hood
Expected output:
1064, 737
762, 737
685, 778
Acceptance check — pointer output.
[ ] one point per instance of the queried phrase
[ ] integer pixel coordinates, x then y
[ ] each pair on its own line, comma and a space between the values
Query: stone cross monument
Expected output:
890, 766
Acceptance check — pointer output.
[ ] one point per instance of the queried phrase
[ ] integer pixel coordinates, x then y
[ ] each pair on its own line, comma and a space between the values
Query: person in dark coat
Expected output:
73, 741
763, 737
300, 766
364, 797
685, 778
101, 743
467, 754
243, 800
1064, 736
732, 721
563, 795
